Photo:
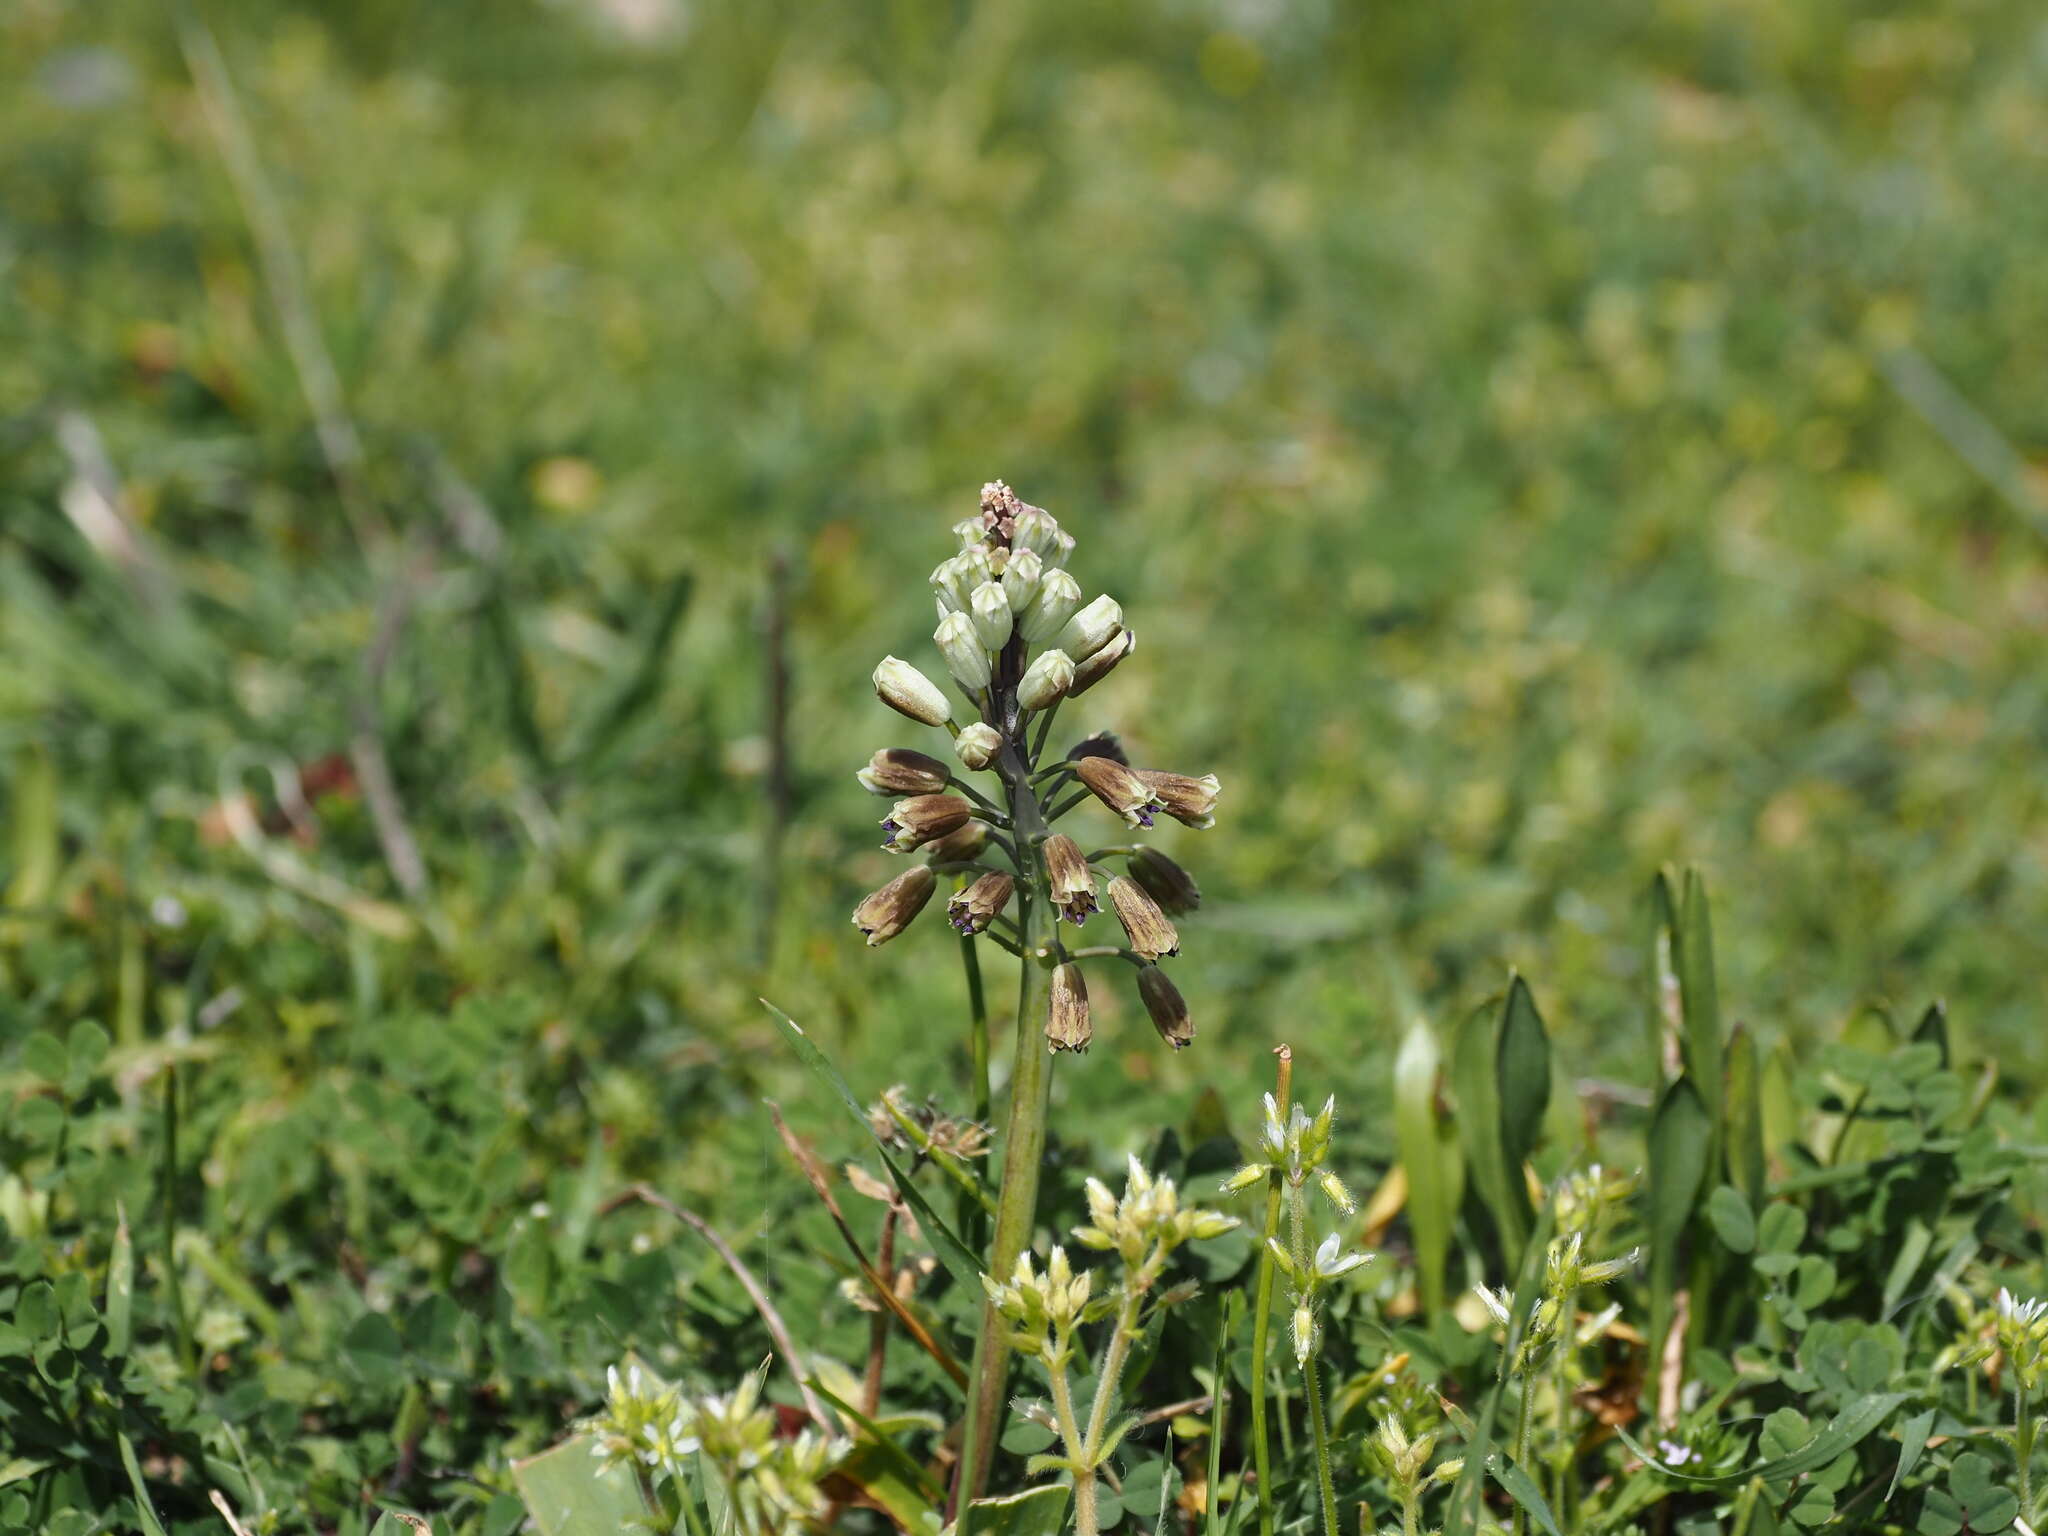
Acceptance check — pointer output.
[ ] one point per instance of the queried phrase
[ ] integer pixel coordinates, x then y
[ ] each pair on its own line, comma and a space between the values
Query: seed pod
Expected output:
1119, 788
1165, 881
909, 692
981, 903
978, 744
887, 912
1092, 671
1091, 629
901, 771
1022, 574
1066, 871
990, 607
923, 818
1191, 802
961, 646
1046, 681
963, 845
1150, 930
1058, 596
1066, 1022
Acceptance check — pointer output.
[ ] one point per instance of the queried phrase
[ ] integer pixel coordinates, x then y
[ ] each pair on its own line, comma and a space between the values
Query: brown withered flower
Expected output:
1101, 744
963, 845
972, 910
1168, 1009
1068, 877
883, 914
1191, 802
1120, 789
922, 819
1150, 930
1093, 669
902, 771
1066, 1025
1164, 881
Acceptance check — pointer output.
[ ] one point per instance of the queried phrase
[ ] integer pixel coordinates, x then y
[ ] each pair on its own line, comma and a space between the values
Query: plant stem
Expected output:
1522, 1447
2023, 1445
1023, 1141
977, 1039
1304, 1262
1070, 1437
1561, 1456
1106, 1383
1262, 1312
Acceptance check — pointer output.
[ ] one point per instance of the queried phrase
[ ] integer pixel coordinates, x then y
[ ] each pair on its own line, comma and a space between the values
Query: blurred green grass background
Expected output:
1533, 443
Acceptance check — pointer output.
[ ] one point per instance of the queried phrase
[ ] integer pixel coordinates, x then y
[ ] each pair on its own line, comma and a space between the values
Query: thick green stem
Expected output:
977, 1039
1262, 1313
1023, 1138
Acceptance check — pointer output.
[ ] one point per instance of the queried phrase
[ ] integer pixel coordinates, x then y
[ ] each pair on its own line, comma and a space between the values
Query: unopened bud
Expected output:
990, 607
1092, 671
962, 649
923, 818
1092, 628
949, 585
1169, 1012
972, 532
973, 909
1045, 681
1066, 1023
887, 912
909, 692
1067, 873
978, 744
1117, 787
1304, 1334
900, 771
1150, 931
1034, 529
1058, 596
1191, 802
1022, 574
1164, 881
963, 845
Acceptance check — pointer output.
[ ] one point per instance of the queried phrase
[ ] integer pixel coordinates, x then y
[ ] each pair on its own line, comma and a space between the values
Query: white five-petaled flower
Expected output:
1332, 1263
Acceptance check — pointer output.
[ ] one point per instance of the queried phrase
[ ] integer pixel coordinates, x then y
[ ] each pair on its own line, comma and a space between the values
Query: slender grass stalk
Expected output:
1521, 1519
1561, 1453
2023, 1445
1312, 1386
1262, 1308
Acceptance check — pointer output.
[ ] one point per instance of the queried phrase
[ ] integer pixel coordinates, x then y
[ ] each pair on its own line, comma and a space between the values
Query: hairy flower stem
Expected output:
1024, 1137
1522, 1448
1304, 1259
2023, 1445
1262, 1312
1562, 1454
1089, 1456
1070, 1437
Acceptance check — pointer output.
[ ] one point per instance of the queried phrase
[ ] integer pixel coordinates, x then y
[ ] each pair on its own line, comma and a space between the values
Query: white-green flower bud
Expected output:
909, 692
1021, 577
1058, 596
950, 585
972, 533
978, 744
1045, 681
990, 608
1245, 1178
966, 658
1035, 529
1092, 628
1304, 1334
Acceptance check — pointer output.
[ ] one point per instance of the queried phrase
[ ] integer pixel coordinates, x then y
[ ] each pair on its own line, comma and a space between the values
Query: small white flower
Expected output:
1332, 1263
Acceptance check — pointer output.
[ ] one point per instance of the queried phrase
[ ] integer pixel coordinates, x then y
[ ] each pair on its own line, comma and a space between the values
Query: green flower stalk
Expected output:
1016, 640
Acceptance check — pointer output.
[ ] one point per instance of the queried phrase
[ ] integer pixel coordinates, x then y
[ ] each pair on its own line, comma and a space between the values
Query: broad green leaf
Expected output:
1699, 993
1729, 1214
960, 1263
1523, 1054
1681, 1152
890, 1474
35, 849
1035, 1512
570, 1492
145, 1512
1747, 1152
1475, 1083
1521, 1487
1660, 1013
1431, 1156
1912, 1443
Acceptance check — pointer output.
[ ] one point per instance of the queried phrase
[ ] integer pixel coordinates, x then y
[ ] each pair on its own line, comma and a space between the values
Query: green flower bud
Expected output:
1045, 681
1021, 577
962, 649
1091, 629
978, 744
909, 692
990, 607
1058, 596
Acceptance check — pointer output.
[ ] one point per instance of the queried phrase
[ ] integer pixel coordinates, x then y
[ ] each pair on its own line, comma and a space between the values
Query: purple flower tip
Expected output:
889, 826
1144, 816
